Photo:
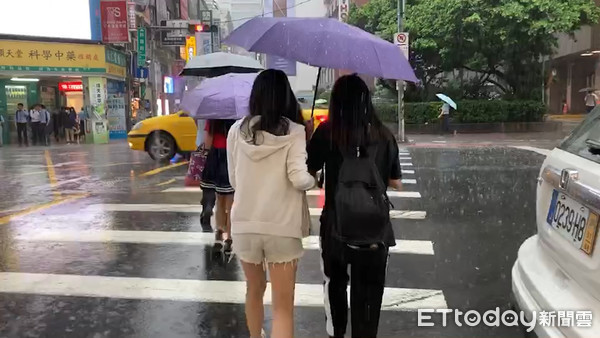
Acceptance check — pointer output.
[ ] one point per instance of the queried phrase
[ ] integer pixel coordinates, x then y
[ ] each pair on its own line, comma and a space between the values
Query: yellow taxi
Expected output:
321, 108
163, 136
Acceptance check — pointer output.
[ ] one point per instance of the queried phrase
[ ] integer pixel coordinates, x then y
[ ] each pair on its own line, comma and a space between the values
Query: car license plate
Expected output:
573, 221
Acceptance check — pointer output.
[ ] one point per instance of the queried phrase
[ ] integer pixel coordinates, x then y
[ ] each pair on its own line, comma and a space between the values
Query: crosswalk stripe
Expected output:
403, 246
406, 194
403, 154
408, 171
197, 209
409, 181
190, 290
405, 158
401, 194
183, 189
406, 164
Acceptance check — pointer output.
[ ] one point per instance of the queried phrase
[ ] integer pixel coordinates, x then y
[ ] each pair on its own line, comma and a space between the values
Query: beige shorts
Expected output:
259, 249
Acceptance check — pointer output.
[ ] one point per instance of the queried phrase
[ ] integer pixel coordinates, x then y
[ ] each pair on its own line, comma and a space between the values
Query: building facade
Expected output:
574, 67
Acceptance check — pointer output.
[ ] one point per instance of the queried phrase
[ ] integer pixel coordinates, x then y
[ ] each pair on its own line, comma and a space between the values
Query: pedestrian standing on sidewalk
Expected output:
270, 216
82, 117
215, 177
445, 116
69, 124
21, 119
44, 131
590, 101
35, 124
57, 123
359, 153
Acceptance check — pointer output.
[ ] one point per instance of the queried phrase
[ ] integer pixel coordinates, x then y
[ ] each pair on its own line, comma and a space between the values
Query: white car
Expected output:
558, 270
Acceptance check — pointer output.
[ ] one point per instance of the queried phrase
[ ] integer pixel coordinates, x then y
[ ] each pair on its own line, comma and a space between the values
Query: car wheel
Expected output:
161, 147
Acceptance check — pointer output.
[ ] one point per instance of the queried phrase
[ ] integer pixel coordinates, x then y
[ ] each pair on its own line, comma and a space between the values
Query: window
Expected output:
585, 139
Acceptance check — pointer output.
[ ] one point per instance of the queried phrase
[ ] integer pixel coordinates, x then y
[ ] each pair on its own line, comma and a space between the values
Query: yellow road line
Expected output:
60, 200
51, 174
165, 183
161, 169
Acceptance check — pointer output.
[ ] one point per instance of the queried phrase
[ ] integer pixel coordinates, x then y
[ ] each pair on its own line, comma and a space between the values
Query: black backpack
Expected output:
362, 207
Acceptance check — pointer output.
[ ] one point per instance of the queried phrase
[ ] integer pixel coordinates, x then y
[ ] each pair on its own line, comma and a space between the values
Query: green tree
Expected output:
501, 41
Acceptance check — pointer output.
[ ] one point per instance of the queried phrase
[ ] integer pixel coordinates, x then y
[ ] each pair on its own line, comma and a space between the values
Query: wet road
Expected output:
90, 246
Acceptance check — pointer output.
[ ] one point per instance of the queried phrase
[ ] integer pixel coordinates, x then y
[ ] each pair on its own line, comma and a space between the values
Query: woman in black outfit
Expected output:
352, 123
215, 177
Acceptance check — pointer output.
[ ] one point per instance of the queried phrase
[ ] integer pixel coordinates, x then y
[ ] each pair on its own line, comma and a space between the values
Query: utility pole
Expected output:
400, 84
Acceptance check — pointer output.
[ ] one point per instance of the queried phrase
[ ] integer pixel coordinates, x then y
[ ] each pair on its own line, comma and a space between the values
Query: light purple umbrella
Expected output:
220, 98
324, 42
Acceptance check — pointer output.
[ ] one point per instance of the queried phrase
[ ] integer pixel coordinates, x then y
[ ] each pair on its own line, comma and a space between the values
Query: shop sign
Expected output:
131, 16
114, 21
115, 109
97, 93
168, 85
51, 57
141, 45
116, 70
190, 47
70, 86
115, 57
116, 62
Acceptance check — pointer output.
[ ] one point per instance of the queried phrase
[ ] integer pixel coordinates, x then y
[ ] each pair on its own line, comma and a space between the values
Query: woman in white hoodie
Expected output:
267, 168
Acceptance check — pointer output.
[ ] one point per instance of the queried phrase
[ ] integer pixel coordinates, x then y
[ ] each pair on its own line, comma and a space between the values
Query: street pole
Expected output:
400, 83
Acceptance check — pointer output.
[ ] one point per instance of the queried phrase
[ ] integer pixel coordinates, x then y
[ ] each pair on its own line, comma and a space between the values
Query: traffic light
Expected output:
199, 28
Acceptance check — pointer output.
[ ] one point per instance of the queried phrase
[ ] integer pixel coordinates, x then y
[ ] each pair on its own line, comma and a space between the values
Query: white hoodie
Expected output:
270, 181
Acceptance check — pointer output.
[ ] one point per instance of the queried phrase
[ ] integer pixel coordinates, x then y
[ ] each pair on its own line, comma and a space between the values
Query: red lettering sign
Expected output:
70, 86
114, 21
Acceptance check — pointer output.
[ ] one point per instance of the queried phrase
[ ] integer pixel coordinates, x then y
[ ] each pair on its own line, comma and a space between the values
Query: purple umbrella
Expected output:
220, 98
324, 42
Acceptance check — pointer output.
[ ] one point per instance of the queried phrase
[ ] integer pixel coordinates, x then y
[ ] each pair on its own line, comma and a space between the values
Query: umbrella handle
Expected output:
312, 112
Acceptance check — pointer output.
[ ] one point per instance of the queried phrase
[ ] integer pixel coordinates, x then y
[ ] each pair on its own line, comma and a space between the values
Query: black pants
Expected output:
35, 130
22, 133
208, 201
445, 123
367, 280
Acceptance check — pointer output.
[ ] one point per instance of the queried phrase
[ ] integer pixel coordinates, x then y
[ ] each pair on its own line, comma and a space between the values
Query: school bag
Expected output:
362, 207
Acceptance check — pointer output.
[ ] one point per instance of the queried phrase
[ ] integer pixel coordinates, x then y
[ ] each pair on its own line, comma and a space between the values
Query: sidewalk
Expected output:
541, 140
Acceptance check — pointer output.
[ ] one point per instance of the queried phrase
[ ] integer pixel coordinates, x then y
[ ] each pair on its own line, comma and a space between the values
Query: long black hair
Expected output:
274, 101
352, 115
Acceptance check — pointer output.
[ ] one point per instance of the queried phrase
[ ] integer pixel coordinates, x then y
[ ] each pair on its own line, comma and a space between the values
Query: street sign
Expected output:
175, 36
402, 40
141, 45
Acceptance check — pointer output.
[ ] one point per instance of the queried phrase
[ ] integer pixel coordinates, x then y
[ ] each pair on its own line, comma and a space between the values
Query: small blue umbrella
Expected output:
447, 100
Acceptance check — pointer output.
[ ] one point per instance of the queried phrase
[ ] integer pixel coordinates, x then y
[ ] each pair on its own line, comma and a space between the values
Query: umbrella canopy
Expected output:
584, 90
323, 42
220, 98
217, 64
447, 100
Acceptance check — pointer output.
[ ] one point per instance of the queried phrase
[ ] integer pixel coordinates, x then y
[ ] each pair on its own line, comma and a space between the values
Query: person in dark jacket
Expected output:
57, 123
69, 125
352, 124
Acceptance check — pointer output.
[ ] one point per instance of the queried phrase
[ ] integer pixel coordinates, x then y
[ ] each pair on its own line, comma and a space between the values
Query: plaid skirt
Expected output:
215, 175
